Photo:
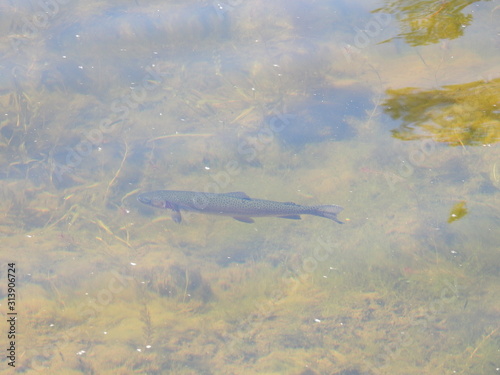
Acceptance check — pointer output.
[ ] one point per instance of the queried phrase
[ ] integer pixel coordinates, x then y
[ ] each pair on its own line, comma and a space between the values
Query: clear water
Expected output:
389, 109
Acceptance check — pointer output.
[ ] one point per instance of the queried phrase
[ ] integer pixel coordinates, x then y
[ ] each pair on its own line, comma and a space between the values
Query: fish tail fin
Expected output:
329, 211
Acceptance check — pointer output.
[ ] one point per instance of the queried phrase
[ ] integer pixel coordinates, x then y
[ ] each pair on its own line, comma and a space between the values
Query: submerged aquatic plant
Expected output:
458, 211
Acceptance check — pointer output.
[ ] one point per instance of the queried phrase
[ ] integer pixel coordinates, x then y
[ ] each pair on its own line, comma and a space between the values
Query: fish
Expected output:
237, 205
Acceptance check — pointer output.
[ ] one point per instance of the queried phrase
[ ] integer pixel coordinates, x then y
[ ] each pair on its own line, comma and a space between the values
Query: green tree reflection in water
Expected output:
429, 21
464, 114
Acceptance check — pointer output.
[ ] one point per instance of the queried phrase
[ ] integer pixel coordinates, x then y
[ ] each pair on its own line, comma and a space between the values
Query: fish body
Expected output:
237, 205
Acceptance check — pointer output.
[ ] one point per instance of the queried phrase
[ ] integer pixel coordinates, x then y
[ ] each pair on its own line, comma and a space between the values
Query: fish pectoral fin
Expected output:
244, 219
293, 217
176, 216
238, 194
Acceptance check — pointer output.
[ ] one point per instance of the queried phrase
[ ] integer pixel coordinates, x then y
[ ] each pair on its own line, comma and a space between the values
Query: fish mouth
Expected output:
144, 199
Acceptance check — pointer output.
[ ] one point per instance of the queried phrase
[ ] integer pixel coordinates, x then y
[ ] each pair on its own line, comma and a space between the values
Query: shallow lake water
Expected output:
389, 109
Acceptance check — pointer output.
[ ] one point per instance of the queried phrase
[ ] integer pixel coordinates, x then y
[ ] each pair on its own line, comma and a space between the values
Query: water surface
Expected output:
387, 108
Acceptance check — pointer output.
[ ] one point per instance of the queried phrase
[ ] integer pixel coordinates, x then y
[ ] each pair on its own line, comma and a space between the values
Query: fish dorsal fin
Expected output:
238, 194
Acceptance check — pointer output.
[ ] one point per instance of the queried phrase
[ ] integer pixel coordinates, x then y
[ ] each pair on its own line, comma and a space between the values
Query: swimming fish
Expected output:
237, 205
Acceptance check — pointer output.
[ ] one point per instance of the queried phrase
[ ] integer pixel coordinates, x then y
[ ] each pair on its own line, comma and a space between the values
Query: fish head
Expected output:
144, 198
155, 200
151, 200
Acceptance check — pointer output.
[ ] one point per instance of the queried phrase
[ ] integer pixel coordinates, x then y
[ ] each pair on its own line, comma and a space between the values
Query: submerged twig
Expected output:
117, 173
177, 135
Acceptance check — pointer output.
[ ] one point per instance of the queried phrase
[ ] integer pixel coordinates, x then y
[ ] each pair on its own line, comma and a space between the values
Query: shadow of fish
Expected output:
237, 205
